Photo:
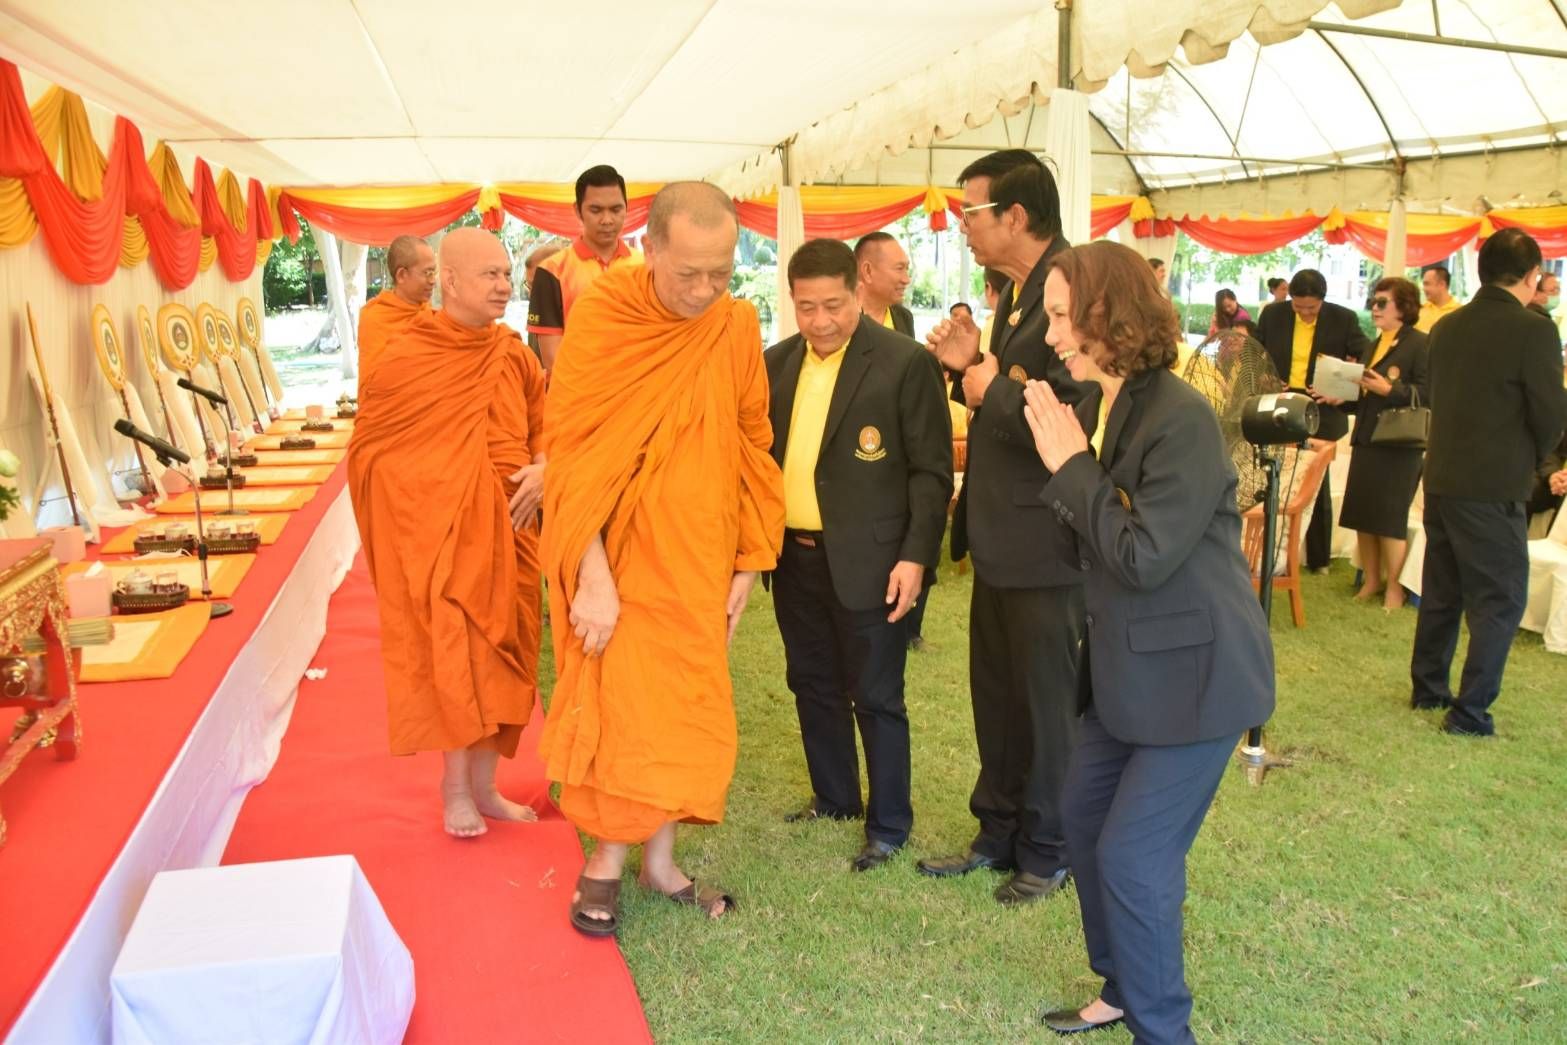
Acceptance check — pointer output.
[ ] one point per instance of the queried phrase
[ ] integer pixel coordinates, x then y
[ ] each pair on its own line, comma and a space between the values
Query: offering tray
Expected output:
219, 482
160, 598
233, 544
296, 442
316, 426
240, 460
153, 543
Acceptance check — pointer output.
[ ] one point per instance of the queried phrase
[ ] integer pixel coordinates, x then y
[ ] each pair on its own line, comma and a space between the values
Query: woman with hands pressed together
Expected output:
1178, 661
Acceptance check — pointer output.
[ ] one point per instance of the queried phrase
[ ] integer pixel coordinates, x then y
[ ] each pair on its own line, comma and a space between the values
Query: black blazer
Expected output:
1497, 402
998, 518
1405, 367
884, 474
1178, 650
1337, 334
902, 320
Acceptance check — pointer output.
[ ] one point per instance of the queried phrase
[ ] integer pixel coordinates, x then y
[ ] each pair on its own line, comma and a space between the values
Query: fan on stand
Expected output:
1264, 429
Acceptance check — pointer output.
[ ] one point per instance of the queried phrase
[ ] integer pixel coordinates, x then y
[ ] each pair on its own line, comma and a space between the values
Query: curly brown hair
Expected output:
1116, 302
1405, 296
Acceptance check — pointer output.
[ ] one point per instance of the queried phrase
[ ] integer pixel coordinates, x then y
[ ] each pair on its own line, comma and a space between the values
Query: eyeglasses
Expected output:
1380, 302
964, 212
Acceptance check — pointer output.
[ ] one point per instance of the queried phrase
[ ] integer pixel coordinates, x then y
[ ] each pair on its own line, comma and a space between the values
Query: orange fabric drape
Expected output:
1429, 237
1247, 235
1548, 225
100, 213
552, 208
376, 226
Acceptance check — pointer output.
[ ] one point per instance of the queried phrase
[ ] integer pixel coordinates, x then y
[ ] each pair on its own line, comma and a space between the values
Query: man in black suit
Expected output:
1497, 409
1295, 333
1026, 613
862, 433
883, 277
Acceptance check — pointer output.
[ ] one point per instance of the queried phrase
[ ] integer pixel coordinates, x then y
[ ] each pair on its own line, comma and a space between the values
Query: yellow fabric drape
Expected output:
60, 119
231, 198
176, 197
263, 252
18, 223
384, 197
553, 192
133, 243
209, 253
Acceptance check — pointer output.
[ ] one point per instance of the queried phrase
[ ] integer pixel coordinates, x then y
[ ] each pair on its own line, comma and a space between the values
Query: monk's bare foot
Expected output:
1368, 592
673, 882
462, 816
492, 805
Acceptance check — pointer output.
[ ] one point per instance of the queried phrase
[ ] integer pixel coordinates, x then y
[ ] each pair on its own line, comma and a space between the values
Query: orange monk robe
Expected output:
384, 317
658, 439
451, 412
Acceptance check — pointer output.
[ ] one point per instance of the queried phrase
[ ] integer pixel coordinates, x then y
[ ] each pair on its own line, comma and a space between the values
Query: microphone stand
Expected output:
217, 609
226, 415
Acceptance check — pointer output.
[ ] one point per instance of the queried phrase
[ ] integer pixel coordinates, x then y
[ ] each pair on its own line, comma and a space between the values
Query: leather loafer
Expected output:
1023, 887
810, 812
954, 866
1070, 1021
1453, 729
874, 855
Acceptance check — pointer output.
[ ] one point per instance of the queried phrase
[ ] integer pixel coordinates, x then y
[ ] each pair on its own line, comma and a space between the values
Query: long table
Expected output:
163, 770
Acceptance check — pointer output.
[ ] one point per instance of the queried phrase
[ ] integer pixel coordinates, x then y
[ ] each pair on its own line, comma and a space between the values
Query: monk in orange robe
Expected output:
446, 486
412, 264
661, 504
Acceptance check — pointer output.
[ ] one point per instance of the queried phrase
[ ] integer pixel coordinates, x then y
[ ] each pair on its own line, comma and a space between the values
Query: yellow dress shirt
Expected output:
1384, 345
1300, 352
807, 425
1430, 313
886, 319
1097, 440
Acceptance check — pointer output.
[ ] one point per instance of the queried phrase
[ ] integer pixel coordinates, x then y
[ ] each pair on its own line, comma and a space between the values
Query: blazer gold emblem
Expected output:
870, 448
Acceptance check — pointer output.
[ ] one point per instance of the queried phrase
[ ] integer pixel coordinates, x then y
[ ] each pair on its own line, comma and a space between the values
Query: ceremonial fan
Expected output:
177, 339
112, 362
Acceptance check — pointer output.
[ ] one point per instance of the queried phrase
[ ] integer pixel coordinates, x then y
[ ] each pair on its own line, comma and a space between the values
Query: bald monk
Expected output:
661, 504
412, 264
446, 486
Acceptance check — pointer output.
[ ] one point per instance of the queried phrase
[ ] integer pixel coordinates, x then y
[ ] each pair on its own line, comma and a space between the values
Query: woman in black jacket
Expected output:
1178, 662
1382, 479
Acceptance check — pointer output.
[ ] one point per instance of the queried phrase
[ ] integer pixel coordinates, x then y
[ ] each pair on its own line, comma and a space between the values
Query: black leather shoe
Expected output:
810, 812
954, 866
1023, 887
1452, 729
916, 644
874, 855
1070, 1021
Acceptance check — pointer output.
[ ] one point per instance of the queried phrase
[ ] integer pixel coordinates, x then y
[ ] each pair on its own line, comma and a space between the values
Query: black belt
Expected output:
805, 538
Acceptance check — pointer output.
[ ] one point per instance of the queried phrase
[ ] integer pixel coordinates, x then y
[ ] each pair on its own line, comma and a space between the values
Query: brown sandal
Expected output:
704, 897
599, 895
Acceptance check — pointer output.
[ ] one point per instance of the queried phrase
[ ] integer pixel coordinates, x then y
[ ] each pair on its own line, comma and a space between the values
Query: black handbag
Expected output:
1407, 426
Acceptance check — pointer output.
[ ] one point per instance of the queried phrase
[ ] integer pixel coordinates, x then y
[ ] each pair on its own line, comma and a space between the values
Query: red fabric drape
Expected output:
380, 227
84, 238
560, 219
1421, 248
762, 218
1242, 236
1103, 219
1551, 238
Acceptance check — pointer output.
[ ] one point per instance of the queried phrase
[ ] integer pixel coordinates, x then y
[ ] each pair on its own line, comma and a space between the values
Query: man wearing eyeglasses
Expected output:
1026, 617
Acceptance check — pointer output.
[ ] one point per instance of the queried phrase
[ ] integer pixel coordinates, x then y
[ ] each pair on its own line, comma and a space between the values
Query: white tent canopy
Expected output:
1206, 96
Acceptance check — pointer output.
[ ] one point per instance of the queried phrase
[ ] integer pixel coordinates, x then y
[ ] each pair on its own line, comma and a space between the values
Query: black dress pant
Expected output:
845, 667
1319, 535
1025, 645
1477, 567
1131, 814
914, 620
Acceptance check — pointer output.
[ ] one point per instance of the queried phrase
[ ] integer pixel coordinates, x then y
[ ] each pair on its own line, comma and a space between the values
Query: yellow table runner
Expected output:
146, 645
289, 425
264, 499
224, 572
333, 440
269, 525
281, 458
287, 475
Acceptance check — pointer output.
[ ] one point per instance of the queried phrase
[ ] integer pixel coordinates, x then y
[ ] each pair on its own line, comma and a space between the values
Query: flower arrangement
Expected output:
9, 500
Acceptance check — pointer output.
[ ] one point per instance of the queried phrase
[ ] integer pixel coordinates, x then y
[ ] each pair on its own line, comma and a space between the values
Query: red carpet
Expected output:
69, 820
494, 957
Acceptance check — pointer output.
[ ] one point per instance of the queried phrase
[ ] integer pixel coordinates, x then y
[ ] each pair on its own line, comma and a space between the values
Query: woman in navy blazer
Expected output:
1178, 661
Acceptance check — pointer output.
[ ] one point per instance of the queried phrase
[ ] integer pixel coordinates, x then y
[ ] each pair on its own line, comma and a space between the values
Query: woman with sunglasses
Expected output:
1382, 478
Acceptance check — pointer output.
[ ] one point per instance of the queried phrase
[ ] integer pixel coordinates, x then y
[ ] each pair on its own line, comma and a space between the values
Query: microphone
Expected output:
165, 451
206, 393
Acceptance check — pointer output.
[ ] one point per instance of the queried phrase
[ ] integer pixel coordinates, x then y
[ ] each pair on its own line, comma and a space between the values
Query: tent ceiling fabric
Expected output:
350, 92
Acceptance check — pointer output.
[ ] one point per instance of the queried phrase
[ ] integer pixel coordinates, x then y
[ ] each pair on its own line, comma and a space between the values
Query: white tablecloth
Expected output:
297, 951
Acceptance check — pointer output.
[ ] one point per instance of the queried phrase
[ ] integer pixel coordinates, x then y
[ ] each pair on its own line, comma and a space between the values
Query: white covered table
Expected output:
1546, 611
292, 951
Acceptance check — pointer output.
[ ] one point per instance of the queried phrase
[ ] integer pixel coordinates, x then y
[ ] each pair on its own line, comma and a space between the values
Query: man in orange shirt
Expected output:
443, 471
411, 263
559, 280
661, 506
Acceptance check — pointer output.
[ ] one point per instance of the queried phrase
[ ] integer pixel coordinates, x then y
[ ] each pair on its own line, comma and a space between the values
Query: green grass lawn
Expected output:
1397, 884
